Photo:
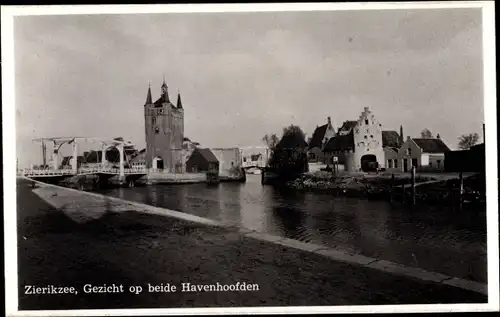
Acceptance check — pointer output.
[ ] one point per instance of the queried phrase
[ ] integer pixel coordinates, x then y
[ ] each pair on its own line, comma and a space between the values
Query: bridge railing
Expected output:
110, 170
84, 170
44, 172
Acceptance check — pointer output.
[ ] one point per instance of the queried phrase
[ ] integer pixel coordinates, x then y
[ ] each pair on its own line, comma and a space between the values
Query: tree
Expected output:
271, 140
426, 134
289, 157
466, 141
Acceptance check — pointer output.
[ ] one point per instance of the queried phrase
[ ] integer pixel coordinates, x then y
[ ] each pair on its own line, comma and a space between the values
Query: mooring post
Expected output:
461, 190
413, 170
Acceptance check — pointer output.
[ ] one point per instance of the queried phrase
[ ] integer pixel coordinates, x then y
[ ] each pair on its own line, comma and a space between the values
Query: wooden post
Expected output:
404, 192
461, 192
392, 188
413, 169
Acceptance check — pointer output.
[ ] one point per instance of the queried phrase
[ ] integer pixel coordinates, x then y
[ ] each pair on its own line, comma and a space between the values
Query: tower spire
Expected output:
164, 90
179, 101
149, 100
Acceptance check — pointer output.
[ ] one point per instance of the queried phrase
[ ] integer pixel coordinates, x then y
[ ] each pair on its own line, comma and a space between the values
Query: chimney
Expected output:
367, 109
438, 136
402, 139
484, 134
329, 121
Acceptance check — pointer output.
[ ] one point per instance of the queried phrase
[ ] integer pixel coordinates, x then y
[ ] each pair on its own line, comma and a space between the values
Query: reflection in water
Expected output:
431, 238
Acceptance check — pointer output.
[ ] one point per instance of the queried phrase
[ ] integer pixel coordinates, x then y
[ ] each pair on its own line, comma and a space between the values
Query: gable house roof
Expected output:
208, 155
391, 139
318, 135
340, 143
347, 126
432, 145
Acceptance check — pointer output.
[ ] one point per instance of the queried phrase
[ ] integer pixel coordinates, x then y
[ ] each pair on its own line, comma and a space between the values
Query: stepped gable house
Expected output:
361, 145
164, 127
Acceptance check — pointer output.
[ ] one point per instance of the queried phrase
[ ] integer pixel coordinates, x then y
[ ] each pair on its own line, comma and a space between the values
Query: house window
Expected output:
366, 121
157, 130
439, 163
408, 151
366, 137
389, 163
161, 110
430, 164
396, 163
154, 120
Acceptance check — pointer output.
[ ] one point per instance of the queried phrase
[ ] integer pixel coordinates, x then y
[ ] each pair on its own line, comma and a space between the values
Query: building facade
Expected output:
230, 160
164, 130
358, 144
424, 154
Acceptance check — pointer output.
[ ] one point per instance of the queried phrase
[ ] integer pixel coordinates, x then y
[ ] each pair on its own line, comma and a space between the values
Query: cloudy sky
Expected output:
242, 75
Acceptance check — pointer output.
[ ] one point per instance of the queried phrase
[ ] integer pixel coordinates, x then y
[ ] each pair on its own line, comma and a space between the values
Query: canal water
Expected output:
434, 239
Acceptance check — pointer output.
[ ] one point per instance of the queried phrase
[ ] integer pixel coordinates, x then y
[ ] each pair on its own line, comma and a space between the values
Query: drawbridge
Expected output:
54, 172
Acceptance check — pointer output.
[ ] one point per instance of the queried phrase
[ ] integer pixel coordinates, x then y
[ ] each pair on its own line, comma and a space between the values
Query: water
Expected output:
432, 238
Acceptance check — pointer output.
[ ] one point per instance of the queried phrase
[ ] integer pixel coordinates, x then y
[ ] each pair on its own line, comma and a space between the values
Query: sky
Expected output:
242, 75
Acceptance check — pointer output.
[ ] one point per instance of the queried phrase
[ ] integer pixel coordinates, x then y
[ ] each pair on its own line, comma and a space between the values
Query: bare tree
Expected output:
466, 141
271, 140
426, 134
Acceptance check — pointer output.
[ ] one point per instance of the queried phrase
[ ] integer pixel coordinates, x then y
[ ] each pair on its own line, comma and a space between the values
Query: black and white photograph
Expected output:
250, 158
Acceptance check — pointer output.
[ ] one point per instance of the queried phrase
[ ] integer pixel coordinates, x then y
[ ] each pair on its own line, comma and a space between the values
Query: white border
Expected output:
9, 150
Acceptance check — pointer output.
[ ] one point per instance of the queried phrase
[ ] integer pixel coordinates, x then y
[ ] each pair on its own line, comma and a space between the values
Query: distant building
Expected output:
320, 137
138, 159
359, 145
255, 160
67, 162
230, 159
428, 154
164, 128
202, 160
189, 145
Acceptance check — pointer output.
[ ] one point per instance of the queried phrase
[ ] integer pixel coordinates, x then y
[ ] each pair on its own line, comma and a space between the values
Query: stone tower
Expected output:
164, 130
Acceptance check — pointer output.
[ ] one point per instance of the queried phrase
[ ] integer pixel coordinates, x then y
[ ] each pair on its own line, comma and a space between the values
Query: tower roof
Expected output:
164, 83
149, 100
179, 101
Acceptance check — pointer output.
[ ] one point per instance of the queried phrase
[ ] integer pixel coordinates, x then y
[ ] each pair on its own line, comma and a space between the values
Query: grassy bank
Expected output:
434, 190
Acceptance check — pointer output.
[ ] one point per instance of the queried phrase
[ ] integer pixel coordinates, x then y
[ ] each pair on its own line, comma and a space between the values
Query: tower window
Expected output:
157, 130
366, 121
371, 136
154, 120
366, 137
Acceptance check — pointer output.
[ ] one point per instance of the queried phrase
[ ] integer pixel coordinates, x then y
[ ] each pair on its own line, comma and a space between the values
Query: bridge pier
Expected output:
122, 163
75, 158
55, 163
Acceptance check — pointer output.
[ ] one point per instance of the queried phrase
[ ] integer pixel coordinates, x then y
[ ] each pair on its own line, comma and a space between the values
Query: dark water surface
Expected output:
434, 239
